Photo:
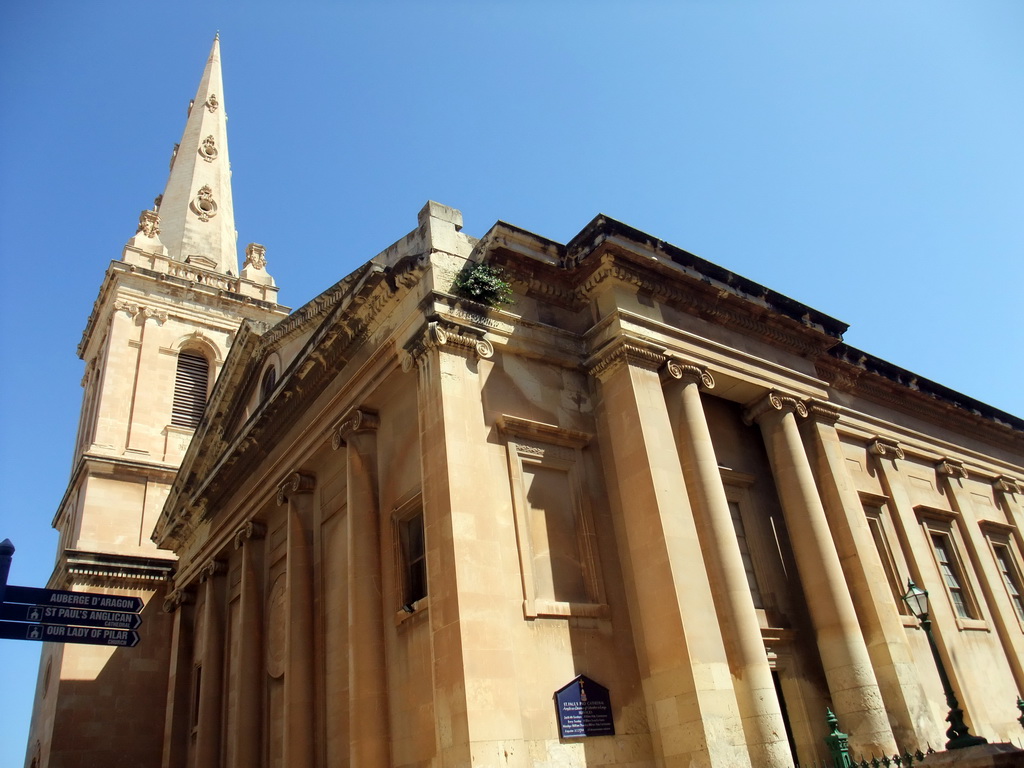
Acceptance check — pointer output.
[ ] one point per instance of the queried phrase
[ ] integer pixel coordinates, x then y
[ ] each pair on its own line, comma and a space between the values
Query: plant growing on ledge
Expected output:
484, 284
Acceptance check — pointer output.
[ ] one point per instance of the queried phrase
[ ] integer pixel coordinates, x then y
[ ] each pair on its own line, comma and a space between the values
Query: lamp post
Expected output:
958, 733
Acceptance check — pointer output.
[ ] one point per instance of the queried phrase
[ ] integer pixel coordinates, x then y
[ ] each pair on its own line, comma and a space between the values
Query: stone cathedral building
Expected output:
385, 529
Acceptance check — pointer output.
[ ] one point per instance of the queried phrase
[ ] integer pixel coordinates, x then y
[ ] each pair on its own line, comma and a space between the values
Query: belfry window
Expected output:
191, 382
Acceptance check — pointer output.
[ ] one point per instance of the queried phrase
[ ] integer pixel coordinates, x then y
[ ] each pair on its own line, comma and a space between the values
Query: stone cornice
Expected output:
213, 464
863, 375
208, 287
108, 570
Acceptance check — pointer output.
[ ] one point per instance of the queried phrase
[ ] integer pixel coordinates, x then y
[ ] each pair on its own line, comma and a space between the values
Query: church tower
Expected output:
165, 317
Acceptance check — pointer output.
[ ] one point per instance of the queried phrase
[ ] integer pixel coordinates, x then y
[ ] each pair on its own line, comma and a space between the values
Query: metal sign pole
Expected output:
6, 555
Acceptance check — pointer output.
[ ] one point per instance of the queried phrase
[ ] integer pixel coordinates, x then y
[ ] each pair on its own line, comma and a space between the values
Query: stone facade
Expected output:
407, 519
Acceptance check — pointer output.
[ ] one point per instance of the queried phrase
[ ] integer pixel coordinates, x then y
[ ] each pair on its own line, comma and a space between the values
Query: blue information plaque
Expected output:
584, 709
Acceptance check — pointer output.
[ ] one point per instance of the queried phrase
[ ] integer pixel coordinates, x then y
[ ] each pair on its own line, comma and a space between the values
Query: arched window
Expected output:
191, 382
268, 383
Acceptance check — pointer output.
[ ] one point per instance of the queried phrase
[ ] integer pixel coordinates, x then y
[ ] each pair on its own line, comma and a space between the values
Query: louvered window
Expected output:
190, 385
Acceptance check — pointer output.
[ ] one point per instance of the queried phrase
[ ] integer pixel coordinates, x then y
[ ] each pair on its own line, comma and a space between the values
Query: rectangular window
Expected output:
413, 553
1011, 577
952, 575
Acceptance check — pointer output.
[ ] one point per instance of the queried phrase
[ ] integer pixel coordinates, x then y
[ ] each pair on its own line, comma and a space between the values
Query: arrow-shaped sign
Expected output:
85, 600
47, 614
55, 633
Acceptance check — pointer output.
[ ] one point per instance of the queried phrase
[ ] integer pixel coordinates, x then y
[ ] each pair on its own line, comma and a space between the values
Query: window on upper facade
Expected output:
413, 557
1011, 576
952, 574
268, 383
191, 385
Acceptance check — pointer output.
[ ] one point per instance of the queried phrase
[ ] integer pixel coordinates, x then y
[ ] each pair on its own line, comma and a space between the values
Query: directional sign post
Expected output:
57, 616
87, 600
57, 633
81, 617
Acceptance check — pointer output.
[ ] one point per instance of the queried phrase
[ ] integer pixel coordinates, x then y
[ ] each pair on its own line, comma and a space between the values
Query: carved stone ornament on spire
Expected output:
149, 224
203, 204
208, 149
212, 103
255, 256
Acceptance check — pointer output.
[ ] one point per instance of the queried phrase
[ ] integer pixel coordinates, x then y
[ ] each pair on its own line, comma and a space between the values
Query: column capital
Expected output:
1006, 484
251, 530
177, 598
886, 448
773, 402
212, 567
952, 468
295, 483
687, 372
822, 410
625, 351
456, 338
355, 420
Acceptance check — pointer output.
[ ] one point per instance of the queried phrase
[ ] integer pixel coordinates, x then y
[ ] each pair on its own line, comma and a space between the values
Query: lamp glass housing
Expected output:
917, 599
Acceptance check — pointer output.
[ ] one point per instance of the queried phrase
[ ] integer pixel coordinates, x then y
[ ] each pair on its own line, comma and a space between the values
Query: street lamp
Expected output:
958, 733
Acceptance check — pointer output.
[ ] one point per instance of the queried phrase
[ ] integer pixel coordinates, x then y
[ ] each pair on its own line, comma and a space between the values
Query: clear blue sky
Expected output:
863, 158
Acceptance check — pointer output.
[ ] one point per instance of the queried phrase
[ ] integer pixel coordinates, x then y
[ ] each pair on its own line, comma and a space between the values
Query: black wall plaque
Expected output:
584, 709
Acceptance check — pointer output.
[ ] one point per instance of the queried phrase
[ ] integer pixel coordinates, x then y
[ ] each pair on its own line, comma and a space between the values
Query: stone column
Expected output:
1004, 617
688, 686
477, 717
856, 699
880, 623
179, 685
211, 682
755, 689
299, 690
368, 694
248, 647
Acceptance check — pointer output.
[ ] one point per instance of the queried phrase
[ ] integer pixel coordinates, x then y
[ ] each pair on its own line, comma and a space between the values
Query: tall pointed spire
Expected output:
197, 218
